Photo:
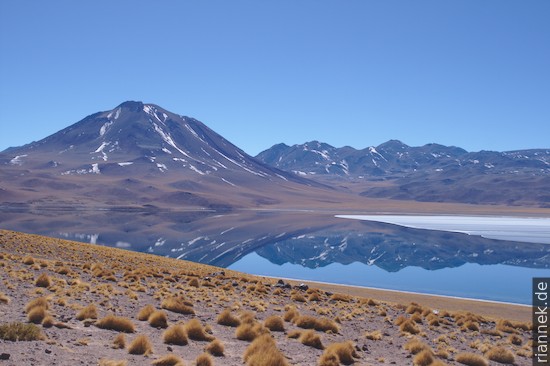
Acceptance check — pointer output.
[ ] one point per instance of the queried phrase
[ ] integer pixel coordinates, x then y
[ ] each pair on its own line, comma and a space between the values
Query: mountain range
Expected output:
141, 156
432, 172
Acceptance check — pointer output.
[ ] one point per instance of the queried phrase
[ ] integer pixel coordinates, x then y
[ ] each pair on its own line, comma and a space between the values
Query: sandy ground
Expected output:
378, 324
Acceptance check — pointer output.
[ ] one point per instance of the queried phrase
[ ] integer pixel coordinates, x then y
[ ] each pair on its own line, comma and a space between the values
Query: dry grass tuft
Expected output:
145, 312
168, 360
424, 358
415, 346
228, 319
175, 335
89, 312
329, 359
120, 341
196, 331
204, 359
20, 332
321, 324
408, 326
500, 354
215, 348
291, 314
105, 362
249, 331
375, 335
117, 323
43, 281
344, 352
275, 323
141, 345
38, 302
158, 319
37, 314
311, 339
471, 359
263, 351
4, 299
177, 305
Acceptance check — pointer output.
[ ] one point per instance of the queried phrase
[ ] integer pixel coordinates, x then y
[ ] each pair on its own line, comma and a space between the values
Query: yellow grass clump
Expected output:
169, 360
228, 319
17, 331
141, 345
471, 359
196, 331
249, 331
501, 355
4, 299
105, 362
263, 351
117, 323
311, 339
343, 351
158, 319
204, 359
178, 305
175, 335
424, 358
274, 323
215, 348
43, 281
89, 312
37, 314
120, 341
145, 312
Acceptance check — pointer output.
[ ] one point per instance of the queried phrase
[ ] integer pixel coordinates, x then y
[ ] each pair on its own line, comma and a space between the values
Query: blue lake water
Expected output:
488, 282
452, 258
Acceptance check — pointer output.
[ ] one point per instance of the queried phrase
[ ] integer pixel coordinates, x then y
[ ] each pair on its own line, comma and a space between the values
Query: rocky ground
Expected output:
61, 294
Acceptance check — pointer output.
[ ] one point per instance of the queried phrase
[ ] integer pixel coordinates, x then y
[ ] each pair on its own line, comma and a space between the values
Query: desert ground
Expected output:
67, 303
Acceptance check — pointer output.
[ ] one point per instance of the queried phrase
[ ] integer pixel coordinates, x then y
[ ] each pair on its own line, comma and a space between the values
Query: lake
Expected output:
376, 252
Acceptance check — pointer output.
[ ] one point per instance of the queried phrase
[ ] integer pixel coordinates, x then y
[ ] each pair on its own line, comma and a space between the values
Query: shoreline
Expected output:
487, 308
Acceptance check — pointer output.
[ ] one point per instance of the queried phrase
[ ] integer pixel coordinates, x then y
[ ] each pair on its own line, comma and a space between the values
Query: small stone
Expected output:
5, 356
48, 351
169, 349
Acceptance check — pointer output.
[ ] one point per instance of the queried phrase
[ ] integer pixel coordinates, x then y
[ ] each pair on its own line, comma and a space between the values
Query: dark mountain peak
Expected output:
133, 106
393, 145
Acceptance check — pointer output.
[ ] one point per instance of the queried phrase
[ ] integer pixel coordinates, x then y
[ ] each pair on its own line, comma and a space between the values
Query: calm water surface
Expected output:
321, 247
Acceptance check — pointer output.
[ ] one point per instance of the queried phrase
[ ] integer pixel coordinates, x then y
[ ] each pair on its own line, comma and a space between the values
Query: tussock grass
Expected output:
178, 305
500, 354
291, 314
228, 319
37, 302
204, 359
120, 341
321, 324
215, 348
17, 331
263, 351
37, 314
311, 339
89, 312
408, 326
4, 299
424, 358
415, 346
141, 345
343, 351
169, 360
274, 323
158, 319
375, 335
196, 331
175, 335
340, 297
117, 323
471, 359
249, 331
145, 312
105, 362
43, 281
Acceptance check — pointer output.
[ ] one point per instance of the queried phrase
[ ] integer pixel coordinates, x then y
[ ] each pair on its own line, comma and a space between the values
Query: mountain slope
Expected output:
431, 172
141, 154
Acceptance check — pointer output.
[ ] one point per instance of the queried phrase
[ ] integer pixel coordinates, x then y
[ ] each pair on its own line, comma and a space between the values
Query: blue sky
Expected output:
470, 73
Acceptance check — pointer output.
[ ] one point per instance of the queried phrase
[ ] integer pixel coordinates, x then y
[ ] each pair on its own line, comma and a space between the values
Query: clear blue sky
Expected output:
469, 73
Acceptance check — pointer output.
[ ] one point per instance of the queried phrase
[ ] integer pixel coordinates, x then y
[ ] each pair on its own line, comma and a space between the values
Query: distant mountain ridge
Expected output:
431, 172
140, 154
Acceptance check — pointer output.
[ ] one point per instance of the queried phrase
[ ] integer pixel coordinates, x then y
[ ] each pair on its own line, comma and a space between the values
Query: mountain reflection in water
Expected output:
310, 240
